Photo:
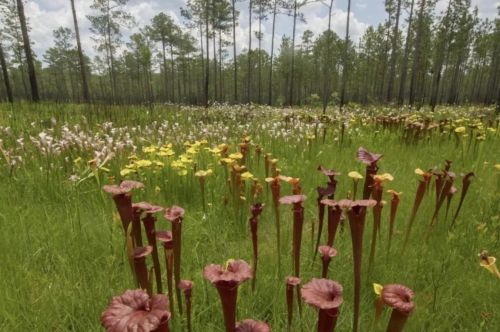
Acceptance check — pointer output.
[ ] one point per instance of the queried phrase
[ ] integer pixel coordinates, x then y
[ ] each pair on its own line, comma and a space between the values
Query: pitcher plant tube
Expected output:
274, 183
370, 160
489, 263
291, 284
421, 189
187, 287
135, 311
165, 237
334, 217
255, 210
149, 221
298, 222
357, 214
123, 199
325, 295
322, 193
226, 280
175, 214
202, 175
392, 218
400, 299
377, 192
446, 187
467, 178
326, 253
141, 270
250, 325
378, 304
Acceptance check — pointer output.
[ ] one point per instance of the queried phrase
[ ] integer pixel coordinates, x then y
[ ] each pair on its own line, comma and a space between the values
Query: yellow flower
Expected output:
203, 174
228, 161
215, 150
355, 175
166, 152
377, 288
394, 192
269, 180
157, 189
185, 159
460, 130
176, 164
236, 155
192, 150
126, 171
489, 263
418, 171
497, 167
159, 164
285, 178
143, 163
149, 149
383, 177
183, 172
247, 176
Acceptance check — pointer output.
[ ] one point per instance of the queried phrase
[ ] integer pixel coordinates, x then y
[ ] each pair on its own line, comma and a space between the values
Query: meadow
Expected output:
62, 247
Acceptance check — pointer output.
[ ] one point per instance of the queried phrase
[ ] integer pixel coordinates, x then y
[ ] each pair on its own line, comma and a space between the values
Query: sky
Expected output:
46, 15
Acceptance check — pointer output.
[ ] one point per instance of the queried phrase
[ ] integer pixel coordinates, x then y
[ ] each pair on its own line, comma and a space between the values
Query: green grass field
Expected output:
62, 249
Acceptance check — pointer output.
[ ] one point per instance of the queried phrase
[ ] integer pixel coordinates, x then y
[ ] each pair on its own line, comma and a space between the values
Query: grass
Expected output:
62, 251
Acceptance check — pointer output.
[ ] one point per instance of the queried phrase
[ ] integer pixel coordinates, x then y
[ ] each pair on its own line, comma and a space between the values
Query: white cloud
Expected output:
46, 15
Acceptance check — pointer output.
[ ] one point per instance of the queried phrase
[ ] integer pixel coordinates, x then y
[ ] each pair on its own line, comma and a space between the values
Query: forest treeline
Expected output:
417, 56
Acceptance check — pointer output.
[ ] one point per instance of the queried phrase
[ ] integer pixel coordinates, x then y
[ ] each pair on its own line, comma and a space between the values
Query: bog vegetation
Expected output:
376, 218
176, 181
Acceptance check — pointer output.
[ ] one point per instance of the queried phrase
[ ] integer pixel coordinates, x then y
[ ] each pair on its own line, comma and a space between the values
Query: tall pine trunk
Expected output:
27, 50
81, 59
165, 75
235, 83
328, 62
292, 71
418, 52
404, 65
207, 65
270, 88
394, 55
249, 74
5, 74
344, 65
